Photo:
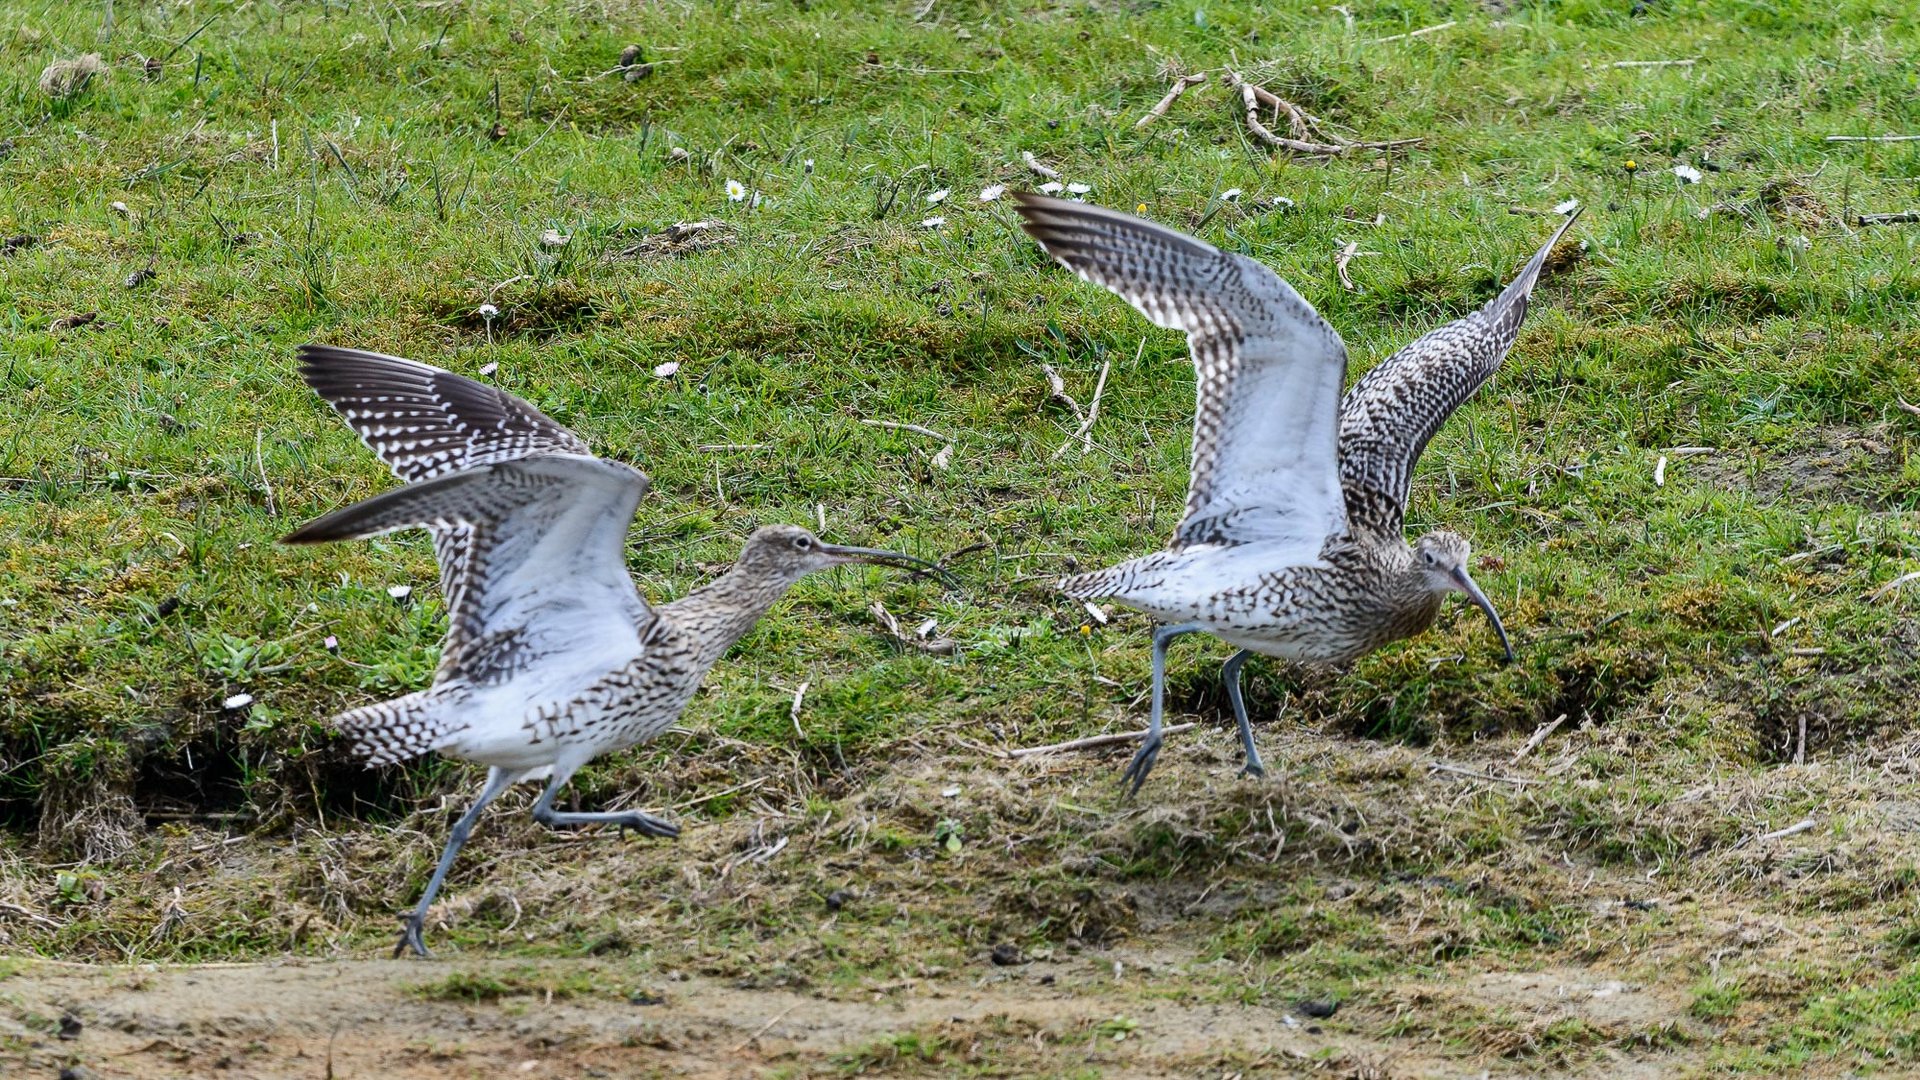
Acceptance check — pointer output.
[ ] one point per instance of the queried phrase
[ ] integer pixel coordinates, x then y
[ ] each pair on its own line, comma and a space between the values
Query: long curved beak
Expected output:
1480, 600
895, 559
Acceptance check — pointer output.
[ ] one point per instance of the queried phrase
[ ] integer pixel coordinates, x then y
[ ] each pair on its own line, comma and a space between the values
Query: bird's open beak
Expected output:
1479, 598
879, 557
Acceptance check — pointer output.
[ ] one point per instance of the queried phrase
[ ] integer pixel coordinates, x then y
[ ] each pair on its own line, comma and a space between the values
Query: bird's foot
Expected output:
648, 825
1141, 765
410, 939
1253, 769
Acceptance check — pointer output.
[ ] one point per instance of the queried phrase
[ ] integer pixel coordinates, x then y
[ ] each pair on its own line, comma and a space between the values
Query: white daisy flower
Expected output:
939, 197
237, 702
1078, 189
736, 191
932, 222
1051, 187
488, 311
1567, 207
809, 166
1687, 173
1281, 202
1230, 194
992, 192
662, 371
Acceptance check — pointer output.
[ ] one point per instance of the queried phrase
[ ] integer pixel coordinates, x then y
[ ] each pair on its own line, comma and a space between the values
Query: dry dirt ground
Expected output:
1469, 914
353, 1019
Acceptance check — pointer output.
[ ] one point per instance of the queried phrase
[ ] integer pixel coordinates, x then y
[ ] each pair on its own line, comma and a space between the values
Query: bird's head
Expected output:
789, 552
1441, 557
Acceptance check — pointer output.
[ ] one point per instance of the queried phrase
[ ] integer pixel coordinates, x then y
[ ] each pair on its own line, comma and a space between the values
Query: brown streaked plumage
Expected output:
1291, 543
552, 657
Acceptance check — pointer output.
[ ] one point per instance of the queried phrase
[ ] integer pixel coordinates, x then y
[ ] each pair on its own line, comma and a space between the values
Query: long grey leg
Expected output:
1142, 762
1230, 674
498, 780
644, 824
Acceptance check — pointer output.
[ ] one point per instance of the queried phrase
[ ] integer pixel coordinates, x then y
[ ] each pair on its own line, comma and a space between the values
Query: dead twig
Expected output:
1875, 594
940, 460
1059, 394
1422, 32
258, 463
1644, 64
1456, 770
793, 714
1180, 86
1301, 124
764, 1028
1035, 165
1873, 138
1094, 742
1778, 834
939, 646
1904, 217
1084, 432
1340, 261
1540, 735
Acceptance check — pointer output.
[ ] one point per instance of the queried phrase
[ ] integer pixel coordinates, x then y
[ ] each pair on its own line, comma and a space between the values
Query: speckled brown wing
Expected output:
1388, 417
425, 422
1268, 370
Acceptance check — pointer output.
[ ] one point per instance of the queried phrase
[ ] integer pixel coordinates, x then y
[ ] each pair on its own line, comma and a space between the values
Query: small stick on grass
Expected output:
1645, 64
1778, 834
766, 1027
1422, 32
1540, 735
1059, 394
1037, 167
1180, 86
1904, 217
258, 463
1340, 261
1873, 138
1890, 586
940, 460
1084, 432
1456, 770
1094, 742
793, 714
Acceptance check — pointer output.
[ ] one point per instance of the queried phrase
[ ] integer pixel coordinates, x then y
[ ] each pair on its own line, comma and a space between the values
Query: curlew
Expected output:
1291, 544
552, 657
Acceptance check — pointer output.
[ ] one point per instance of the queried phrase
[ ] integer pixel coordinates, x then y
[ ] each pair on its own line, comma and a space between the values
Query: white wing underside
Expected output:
1268, 371
541, 576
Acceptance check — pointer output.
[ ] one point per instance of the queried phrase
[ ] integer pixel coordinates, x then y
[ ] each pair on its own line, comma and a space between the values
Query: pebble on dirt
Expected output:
1006, 954
1319, 1009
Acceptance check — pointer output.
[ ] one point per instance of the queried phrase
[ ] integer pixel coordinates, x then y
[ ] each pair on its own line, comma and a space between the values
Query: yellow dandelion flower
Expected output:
1086, 628
1141, 209
1631, 165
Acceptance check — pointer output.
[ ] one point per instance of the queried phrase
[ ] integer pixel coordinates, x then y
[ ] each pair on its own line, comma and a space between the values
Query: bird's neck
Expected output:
721, 612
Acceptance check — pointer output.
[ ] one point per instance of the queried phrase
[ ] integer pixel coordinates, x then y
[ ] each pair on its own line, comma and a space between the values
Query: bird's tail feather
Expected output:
393, 731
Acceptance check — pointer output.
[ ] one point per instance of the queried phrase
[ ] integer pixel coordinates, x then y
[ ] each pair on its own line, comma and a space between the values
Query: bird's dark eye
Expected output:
802, 543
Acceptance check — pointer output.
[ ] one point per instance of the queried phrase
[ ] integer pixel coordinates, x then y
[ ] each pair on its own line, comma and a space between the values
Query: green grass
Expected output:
373, 174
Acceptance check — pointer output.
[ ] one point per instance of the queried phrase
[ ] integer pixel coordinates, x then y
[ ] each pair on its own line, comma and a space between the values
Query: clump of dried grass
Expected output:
64, 78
